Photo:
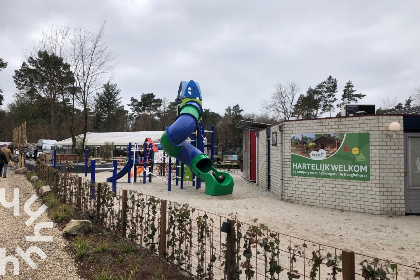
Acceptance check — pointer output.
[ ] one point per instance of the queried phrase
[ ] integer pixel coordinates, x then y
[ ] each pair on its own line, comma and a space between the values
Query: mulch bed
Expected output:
111, 257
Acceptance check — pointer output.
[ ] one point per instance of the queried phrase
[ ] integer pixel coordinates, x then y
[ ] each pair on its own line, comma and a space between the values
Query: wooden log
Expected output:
348, 264
162, 237
124, 208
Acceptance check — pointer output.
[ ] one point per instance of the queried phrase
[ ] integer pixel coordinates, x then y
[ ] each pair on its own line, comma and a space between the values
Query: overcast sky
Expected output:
237, 50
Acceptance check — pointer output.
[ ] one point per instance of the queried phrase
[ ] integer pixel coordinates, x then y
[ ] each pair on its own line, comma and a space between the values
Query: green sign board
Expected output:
334, 155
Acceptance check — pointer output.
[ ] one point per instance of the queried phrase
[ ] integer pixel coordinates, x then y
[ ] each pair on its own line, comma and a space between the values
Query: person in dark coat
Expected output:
36, 153
3, 160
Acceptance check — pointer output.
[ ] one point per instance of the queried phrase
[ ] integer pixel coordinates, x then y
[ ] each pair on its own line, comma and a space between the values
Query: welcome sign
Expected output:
334, 155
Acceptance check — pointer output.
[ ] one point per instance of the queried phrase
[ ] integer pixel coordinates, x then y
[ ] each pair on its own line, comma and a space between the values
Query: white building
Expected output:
367, 169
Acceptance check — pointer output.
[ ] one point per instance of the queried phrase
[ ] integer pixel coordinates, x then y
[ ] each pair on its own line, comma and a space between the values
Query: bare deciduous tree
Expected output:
92, 65
56, 41
388, 103
282, 100
262, 118
91, 62
416, 96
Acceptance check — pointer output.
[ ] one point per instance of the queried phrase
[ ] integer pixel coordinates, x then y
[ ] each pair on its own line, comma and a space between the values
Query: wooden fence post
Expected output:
348, 265
64, 190
79, 194
124, 213
57, 179
162, 238
98, 202
230, 250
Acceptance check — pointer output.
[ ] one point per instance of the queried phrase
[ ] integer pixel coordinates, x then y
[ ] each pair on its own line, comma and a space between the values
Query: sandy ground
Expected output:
396, 238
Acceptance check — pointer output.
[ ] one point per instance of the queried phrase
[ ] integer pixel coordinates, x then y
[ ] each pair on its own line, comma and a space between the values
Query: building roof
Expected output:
250, 124
326, 137
118, 138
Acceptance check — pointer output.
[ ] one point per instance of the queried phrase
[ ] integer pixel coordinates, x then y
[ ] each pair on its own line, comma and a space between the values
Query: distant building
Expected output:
326, 143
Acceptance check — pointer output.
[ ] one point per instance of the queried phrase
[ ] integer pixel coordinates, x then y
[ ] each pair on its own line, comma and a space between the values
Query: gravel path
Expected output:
57, 264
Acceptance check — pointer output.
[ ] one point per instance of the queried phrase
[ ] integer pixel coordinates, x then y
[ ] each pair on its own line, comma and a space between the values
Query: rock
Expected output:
78, 227
22, 170
33, 179
44, 190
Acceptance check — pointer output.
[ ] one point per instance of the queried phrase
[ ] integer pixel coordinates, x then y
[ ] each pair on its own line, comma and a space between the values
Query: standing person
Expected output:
35, 153
3, 160
9, 157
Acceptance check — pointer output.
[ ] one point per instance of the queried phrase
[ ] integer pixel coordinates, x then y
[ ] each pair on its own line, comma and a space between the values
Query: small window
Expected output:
274, 139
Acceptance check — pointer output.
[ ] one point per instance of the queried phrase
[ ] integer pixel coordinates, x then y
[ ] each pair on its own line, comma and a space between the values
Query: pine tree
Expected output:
109, 113
349, 96
330, 90
2, 66
309, 106
49, 78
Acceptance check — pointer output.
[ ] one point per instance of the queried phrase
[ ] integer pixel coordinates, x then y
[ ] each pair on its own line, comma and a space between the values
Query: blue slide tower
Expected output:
173, 142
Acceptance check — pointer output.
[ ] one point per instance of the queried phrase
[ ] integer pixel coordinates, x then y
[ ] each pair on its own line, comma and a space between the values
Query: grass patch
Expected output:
125, 247
52, 201
158, 274
131, 273
80, 246
102, 248
39, 184
30, 174
62, 213
120, 258
107, 256
105, 275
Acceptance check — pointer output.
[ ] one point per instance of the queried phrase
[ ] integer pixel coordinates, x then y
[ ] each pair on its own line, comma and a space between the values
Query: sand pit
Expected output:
396, 238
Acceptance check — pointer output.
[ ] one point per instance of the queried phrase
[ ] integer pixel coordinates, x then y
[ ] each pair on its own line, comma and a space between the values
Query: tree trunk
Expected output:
52, 121
72, 127
85, 125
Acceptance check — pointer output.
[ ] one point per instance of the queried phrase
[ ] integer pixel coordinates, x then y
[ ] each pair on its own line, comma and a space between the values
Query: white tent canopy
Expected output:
117, 138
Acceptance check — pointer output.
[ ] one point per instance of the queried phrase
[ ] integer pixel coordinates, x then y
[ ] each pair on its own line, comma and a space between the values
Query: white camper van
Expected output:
46, 146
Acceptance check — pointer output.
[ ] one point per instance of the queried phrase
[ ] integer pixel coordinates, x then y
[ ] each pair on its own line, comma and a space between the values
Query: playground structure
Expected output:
184, 140
174, 142
137, 163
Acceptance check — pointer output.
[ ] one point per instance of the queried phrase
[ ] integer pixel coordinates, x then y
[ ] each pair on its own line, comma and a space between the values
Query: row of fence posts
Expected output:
124, 208
348, 257
347, 261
